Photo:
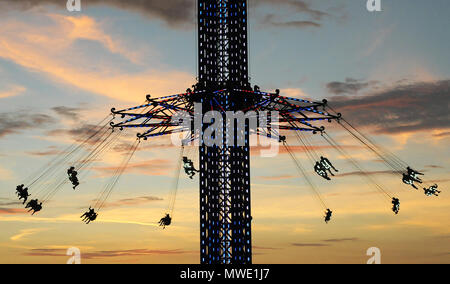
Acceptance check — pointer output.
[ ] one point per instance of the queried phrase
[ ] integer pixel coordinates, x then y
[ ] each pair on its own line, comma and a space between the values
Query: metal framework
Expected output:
223, 85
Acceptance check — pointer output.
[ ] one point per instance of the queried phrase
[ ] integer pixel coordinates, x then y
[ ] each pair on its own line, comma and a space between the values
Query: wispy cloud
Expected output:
271, 20
133, 201
378, 39
301, 149
420, 106
52, 151
264, 248
109, 253
439, 180
74, 218
175, 13
12, 92
11, 123
367, 173
44, 48
280, 177
67, 112
298, 6
294, 93
325, 243
9, 202
12, 211
26, 233
294, 14
341, 240
180, 14
79, 133
434, 167
155, 167
309, 245
442, 134
350, 86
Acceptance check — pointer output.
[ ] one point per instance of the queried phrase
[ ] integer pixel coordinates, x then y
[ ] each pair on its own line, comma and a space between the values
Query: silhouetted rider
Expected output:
396, 205
189, 167
89, 216
432, 190
22, 193
31, 204
19, 189
409, 181
34, 206
414, 175
37, 208
73, 177
328, 215
166, 221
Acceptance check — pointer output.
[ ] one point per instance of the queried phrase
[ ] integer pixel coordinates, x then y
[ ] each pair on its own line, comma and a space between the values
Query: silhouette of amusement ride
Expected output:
223, 170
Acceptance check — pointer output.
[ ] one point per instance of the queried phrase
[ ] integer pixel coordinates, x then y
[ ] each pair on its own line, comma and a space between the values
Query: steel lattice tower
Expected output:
223, 85
224, 170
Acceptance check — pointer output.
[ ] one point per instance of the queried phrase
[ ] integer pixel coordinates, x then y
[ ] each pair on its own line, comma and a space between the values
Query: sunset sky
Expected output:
388, 72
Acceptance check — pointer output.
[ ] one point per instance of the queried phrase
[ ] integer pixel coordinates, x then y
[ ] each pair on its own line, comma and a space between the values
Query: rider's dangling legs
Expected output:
320, 171
327, 165
191, 173
413, 174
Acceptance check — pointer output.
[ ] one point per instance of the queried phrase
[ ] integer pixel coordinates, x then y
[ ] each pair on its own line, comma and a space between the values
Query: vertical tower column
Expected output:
222, 43
225, 211
225, 216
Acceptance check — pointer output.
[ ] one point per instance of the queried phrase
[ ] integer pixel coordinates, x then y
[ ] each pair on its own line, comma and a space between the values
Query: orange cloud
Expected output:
8, 211
12, 92
133, 201
294, 93
301, 149
49, 49
85, 27
156, 167
108, 254
282, 177
25, 233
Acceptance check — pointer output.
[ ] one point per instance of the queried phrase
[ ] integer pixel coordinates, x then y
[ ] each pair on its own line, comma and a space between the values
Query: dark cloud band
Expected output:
413, 107
14, 123
176, 13
180, 14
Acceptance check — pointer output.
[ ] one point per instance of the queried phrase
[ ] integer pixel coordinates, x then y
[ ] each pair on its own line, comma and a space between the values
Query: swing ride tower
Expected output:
223, 86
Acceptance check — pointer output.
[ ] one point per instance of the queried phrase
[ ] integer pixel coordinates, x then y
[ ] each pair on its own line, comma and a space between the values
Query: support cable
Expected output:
359, 168
49, 192
70, 151
390, 159
106, 193
305, 175
43, 187
174, 190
